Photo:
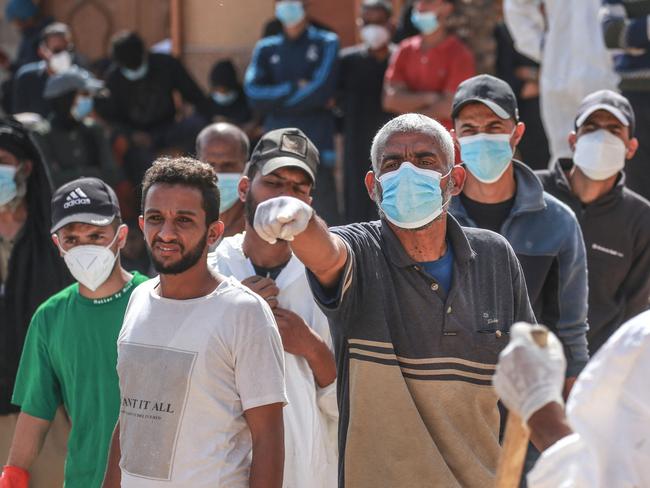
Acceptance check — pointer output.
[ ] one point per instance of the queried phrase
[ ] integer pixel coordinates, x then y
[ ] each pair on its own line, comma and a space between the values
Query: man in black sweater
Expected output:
141, 103
615, 221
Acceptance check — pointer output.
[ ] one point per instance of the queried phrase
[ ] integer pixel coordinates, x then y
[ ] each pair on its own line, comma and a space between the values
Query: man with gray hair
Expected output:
225, 147
419, 309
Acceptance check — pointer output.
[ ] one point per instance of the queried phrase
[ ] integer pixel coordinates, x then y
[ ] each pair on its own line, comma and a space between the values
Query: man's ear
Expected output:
141, 223
573, 138
55, 240
370, 182
122, 234
243, 187
457, 181
215, 231
632, 147
520, 129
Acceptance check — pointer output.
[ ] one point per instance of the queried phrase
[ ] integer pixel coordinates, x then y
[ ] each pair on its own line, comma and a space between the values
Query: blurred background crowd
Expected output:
107, 86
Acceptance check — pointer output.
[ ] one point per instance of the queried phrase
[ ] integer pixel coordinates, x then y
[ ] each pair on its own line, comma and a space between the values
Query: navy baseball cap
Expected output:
85, 200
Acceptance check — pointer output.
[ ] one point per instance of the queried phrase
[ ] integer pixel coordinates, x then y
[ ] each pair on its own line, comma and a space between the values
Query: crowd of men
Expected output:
177, 308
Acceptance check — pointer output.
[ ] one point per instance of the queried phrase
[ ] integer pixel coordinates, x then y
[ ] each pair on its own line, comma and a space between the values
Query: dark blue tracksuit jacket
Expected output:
272, 85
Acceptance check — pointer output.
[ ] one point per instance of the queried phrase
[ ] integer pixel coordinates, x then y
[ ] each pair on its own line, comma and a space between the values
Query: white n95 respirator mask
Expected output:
90, 265
599, 154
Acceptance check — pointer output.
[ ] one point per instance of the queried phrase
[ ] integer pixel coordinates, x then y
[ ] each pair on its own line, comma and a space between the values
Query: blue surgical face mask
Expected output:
425, 22
486, 156
8, 188
82, 108
411, 196
228, 184
289, 12
227, 98
135, 74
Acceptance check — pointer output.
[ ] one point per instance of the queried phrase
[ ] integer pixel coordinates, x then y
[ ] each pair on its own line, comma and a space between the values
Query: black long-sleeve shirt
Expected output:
616, 230
148, 103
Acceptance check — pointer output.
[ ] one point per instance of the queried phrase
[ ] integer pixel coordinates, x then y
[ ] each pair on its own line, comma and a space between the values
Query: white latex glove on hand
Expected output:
281, 218
528, 376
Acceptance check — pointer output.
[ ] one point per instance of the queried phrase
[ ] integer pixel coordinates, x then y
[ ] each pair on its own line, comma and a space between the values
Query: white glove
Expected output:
528, 376
281, 218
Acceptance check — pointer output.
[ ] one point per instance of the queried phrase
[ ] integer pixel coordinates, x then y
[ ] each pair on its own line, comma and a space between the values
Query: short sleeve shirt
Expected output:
69, 358
188, 370
438, 69
415, 364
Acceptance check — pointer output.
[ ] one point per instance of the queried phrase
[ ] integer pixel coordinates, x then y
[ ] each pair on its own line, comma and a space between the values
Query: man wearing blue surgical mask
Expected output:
30, 272
419, 309
225, 147
426, 69
291, 81
72, 142
615, 220
504, 195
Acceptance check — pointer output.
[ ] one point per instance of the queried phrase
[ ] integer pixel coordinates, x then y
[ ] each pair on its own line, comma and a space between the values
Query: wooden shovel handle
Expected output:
515, 440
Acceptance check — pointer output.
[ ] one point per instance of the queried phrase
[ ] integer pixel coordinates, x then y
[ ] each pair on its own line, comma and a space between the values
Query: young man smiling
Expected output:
200, 359
69, 355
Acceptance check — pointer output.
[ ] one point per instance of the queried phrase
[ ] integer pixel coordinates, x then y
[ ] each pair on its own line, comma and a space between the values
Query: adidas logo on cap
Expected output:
76, 197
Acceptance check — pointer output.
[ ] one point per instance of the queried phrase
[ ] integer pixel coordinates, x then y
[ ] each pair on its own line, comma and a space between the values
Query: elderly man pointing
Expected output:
419, 310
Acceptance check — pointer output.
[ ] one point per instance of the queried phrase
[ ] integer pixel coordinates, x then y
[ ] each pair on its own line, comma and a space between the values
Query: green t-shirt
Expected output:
69, 358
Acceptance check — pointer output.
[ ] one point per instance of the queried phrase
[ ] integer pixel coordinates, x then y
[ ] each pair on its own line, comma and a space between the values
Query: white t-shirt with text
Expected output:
188, 370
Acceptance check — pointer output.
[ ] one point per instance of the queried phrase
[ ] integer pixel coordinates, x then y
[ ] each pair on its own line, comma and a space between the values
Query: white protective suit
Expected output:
572, 55
609, 411
311, 417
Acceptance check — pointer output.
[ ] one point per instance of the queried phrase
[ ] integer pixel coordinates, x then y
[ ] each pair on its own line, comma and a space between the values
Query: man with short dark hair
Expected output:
291, 80
419, 309
615, 220
273, 272
361, 83
69, 356
426, 69
225, 147
200, 360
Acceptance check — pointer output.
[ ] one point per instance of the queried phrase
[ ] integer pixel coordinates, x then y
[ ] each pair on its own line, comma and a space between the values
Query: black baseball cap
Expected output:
489, 90
282, 148
85, 200
614, 103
